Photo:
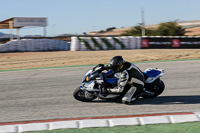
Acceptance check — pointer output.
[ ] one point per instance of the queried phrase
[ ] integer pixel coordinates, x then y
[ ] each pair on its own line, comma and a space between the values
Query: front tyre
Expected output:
156, 88
80, 95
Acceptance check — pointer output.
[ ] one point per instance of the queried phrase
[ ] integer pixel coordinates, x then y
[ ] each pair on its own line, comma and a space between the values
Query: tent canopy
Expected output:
20, 22
6, 24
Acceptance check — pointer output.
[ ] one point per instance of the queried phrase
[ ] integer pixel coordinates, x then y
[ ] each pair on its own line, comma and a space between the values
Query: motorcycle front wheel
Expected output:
80, 95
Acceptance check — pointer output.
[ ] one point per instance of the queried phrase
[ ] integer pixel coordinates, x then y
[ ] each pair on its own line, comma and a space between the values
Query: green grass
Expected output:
192, 127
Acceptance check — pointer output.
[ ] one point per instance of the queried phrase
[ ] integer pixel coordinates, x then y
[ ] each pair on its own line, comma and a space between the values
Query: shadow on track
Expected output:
195, 99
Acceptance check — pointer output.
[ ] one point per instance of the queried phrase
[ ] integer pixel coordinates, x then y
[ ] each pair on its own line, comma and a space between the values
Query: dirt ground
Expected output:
25, 60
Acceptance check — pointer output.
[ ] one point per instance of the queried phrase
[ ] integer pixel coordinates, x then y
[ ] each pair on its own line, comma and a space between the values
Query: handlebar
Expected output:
101, 67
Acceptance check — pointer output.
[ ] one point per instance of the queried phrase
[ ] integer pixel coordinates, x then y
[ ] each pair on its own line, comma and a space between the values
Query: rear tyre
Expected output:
79, 95
156, 87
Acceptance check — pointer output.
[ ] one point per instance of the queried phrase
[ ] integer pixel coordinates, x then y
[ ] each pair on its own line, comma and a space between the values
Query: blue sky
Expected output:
78, 16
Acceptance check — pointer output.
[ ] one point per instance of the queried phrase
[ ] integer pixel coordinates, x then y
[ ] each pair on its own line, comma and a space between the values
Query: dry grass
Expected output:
68, 58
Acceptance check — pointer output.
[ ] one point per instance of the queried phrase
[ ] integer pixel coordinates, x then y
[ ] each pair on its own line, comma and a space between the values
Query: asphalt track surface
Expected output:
47, 93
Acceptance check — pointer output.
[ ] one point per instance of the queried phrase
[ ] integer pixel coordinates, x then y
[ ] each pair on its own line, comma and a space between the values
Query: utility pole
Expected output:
143, 23
54, 31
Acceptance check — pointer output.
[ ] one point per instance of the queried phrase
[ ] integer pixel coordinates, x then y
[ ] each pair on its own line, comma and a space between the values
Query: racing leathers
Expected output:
131, 82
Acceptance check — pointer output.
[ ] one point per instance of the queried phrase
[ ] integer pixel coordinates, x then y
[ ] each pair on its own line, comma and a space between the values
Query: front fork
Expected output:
89, 94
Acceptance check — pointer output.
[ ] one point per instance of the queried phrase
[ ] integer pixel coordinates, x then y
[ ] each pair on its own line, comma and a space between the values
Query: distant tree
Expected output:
110, 29
102, 31
170, 29
84, 33
137, 31
164, 29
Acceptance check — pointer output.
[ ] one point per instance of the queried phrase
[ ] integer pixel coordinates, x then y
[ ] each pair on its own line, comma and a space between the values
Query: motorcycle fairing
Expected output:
87, 74
153, 74
89, 86
109, 78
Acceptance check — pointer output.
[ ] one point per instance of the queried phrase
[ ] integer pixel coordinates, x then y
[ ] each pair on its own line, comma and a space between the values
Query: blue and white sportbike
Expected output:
95, 79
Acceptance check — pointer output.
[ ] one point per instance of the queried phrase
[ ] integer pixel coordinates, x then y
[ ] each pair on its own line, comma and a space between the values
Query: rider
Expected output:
129, 75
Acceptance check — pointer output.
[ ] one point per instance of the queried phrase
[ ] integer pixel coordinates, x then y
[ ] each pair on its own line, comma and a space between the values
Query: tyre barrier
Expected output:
34, 45
105, 43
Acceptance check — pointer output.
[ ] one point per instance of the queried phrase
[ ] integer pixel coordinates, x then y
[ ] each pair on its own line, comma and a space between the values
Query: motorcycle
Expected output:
95, 79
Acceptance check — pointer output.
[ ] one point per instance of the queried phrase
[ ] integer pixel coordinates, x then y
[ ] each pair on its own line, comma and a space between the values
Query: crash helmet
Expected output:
116, 63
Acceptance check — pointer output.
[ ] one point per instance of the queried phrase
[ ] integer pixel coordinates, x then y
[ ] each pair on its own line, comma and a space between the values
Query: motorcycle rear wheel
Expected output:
79, 95
158, 87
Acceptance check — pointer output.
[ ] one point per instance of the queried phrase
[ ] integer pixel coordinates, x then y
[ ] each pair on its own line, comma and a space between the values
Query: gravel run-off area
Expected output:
24, 60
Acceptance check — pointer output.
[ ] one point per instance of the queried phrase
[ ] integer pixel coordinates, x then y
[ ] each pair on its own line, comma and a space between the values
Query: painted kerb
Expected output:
102, 122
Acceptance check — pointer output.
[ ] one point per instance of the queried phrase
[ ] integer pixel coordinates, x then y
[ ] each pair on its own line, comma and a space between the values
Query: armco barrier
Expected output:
32, 45
105, 43
170, 42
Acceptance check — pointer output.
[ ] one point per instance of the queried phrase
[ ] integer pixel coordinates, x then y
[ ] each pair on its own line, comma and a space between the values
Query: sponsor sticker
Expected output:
145, 43
175, 43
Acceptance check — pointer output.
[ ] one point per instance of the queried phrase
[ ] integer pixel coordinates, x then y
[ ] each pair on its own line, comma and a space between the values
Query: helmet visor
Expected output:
115, 68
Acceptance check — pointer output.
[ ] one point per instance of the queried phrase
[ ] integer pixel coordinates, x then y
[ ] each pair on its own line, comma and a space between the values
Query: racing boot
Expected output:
128, 97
